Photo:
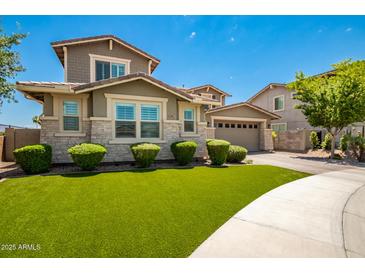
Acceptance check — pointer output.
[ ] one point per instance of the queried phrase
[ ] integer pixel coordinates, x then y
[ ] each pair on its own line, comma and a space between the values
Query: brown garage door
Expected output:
239, 133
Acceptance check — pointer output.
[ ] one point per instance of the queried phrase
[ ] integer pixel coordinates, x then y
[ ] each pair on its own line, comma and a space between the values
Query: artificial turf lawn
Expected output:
157, 213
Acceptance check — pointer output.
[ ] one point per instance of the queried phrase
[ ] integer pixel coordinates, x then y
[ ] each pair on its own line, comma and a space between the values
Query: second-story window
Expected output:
105, 70
279, 103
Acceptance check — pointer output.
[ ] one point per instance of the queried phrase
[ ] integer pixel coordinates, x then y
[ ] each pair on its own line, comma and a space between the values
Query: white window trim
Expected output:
278, 124
193, 120
78, 101
273, 101
182, 106
58, 113
112, 99
206, 95
94, 58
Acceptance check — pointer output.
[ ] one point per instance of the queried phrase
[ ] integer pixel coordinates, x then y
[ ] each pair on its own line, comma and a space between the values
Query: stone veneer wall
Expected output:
101, 132
266, 142
60, 144
292, 140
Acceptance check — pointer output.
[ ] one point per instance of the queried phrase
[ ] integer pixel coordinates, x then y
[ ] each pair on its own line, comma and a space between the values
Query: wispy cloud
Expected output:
348, 29
231, 39
231, 77
192, 35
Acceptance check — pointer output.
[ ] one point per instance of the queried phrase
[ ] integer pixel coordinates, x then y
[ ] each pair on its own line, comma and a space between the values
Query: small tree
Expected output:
334, 100
9, 64
314, 140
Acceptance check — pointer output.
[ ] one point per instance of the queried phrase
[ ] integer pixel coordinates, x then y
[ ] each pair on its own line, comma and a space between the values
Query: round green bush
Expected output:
236, 154
34, 159
144, 153
184, 151
217, 151
87, 156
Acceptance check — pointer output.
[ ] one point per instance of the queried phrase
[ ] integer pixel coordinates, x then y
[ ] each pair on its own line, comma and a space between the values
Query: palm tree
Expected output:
37, 120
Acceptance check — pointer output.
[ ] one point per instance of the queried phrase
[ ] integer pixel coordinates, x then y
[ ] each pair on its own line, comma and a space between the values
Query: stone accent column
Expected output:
266, 142
210, 132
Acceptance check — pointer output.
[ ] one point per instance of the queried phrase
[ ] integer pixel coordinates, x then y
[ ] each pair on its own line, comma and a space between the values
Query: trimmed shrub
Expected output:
236, 154
87, 156
344, 143
144, 153
208, 140
357, 147
217, 151
314, 140
184, 151
326, 144
34, 159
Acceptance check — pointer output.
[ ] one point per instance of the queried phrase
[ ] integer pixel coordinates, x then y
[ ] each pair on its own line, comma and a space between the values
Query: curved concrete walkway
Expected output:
317, 216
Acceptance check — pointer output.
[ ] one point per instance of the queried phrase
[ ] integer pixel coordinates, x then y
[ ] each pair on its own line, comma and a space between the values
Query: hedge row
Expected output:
38, 158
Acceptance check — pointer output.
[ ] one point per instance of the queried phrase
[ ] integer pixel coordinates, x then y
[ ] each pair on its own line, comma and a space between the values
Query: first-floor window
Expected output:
71, 116
125, 120
150, 121
137, 120
189, 120
278, 127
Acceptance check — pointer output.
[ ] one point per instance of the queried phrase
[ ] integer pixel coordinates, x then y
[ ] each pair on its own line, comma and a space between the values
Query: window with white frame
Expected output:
105, 67
279, 103
279, 127
189, 120
71, 116
137, 120
105, 70
125, 120
150, 121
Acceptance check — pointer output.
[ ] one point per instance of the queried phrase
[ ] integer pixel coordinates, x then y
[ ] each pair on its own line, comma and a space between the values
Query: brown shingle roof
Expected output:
57, 46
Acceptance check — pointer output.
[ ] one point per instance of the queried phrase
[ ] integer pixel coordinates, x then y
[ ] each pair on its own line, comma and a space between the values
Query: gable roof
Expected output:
128, 78
58, 47
265, 89
273, 115
208, 86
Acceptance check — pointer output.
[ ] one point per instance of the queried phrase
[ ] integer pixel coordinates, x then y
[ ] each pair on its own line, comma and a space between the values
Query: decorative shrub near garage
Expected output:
236, 154
314, 140
326, 144
87, 156
218, 151
184, 151
34, 159
144, 153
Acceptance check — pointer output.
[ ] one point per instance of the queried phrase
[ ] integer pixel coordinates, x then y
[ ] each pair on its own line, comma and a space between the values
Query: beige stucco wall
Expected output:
78, 59
136, 88
240, 112
48, 105
294, 118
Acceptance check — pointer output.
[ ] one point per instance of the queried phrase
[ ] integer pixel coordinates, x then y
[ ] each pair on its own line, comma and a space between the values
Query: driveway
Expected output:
317, 216
300, 162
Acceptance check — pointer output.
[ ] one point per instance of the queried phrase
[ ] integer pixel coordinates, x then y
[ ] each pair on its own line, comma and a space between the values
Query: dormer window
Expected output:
104, 67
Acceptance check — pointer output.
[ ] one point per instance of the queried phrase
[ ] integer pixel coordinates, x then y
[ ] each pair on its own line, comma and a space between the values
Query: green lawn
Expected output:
159, 213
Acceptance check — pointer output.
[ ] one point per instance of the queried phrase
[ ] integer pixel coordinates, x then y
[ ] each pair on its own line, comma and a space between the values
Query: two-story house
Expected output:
110, 97
277, 98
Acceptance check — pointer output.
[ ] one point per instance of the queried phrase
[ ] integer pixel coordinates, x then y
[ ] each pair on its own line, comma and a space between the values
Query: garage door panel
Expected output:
247, 137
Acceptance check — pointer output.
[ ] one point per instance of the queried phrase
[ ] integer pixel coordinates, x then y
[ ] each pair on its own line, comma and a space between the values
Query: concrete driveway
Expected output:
300, 162
317, 216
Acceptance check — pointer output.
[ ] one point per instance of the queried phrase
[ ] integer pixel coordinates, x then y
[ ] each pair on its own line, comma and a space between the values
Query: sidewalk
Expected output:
317, 216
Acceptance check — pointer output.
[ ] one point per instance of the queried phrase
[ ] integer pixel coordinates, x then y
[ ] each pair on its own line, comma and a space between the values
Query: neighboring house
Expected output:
277, 98
109, 97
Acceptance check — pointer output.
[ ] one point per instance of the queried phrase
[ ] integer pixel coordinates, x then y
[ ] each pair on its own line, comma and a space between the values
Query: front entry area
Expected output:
239, 133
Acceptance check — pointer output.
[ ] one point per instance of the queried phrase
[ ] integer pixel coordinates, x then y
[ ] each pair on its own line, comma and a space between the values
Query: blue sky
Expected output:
239, 54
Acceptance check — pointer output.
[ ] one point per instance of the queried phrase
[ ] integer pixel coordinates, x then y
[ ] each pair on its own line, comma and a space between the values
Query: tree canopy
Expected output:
9, 64
333, 100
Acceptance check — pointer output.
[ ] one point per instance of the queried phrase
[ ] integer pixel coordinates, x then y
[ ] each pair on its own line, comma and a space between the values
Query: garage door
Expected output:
239, 133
